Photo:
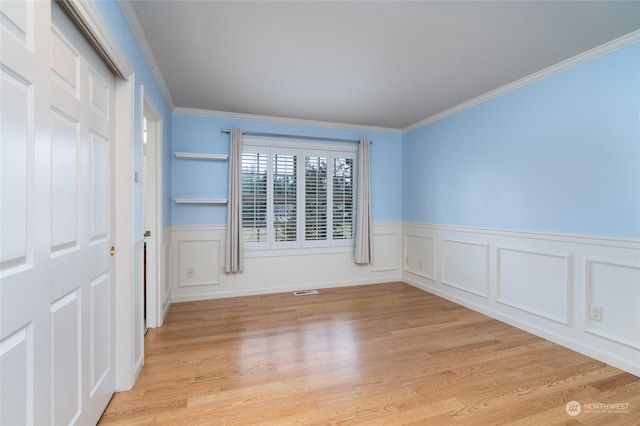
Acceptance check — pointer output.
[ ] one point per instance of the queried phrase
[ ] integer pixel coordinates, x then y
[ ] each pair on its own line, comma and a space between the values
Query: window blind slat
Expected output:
343, 198
315, 198
254, 197
285, 189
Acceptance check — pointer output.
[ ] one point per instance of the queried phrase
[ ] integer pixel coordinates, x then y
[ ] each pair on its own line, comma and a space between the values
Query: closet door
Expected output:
56, 292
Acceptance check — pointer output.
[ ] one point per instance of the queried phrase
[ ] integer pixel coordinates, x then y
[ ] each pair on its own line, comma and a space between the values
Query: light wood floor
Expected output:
386, 354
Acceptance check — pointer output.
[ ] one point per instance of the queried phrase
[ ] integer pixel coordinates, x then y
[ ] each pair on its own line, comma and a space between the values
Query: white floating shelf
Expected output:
200, 201
201, 156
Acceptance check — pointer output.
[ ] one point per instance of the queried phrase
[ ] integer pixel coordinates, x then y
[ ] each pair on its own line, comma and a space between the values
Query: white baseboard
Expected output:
277, 289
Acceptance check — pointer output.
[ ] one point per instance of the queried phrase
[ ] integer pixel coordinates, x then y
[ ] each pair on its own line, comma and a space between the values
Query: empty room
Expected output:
320, 212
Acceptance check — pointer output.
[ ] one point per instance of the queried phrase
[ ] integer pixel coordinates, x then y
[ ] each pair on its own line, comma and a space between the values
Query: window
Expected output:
254, 196
297, 197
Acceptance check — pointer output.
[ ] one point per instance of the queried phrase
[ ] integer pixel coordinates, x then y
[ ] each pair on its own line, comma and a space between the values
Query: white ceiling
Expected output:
385, 63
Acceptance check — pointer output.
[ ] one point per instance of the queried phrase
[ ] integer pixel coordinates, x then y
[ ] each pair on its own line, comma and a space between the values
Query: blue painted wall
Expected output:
560, 155
114, 19
208, 179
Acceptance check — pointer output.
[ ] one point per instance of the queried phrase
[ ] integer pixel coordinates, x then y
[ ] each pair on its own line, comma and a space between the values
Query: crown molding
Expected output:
284, 120
131, 15
580, 59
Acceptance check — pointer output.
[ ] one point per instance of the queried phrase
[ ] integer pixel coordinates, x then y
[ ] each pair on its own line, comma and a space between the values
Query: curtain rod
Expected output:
280, 135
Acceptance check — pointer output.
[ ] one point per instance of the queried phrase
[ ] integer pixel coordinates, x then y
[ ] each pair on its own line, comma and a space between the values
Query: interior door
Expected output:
57, 296
25, 335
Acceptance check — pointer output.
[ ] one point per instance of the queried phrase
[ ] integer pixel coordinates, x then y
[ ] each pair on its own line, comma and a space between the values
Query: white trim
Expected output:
86, 16
154, 256
198, 229
129, 12
124, 236
304, 251
200, 201
548, 236
587, 56
271, 290
201, 156
284, 120
297, 145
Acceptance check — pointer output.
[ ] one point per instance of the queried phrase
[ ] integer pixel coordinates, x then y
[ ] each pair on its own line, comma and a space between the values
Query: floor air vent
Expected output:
305, 292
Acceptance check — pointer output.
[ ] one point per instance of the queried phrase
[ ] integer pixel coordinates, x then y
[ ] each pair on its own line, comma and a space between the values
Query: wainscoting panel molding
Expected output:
420, 256
580, 292
199, 263
385, 253
200, 249
606, 283
535, 282
465, 265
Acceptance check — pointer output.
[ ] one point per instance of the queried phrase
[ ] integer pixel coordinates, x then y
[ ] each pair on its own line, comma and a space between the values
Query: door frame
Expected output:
85, 16
154, 294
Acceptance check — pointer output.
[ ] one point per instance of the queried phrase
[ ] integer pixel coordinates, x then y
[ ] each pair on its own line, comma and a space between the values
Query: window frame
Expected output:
301, 150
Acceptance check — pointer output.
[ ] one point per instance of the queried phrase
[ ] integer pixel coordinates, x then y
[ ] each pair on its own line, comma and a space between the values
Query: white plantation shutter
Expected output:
343, 198
285, 198
315, 202
254, 197
298, 198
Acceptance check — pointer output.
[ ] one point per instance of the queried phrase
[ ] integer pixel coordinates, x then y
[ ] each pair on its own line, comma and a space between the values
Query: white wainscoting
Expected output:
166, 272
542, 283
616, 288
535, 282
197, 265
420, 256
465, 265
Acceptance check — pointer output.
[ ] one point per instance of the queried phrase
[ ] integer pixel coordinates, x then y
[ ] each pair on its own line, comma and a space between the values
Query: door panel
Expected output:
16, 365
17, 171
25, 334
66, 361
99, 190
83, 93
99, 333
56, 290
65, 191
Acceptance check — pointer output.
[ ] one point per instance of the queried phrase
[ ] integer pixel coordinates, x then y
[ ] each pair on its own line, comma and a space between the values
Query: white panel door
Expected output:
56, 290
25, 330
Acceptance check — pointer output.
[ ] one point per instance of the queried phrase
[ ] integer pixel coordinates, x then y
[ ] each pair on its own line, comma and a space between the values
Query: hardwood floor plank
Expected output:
384, 354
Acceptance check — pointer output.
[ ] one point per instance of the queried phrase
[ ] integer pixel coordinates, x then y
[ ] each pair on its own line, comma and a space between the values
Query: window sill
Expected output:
298, 252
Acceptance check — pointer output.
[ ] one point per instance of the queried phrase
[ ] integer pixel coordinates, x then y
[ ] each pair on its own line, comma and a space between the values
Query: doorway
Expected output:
151, 203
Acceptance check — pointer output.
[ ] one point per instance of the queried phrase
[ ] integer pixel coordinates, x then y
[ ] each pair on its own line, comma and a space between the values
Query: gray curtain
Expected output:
234, 258
363, 253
